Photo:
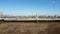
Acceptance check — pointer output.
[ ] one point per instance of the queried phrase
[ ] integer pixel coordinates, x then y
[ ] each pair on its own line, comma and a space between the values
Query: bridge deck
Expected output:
31, 20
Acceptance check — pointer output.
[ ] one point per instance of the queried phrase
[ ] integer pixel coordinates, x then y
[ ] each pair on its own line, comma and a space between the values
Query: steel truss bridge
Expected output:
2, 19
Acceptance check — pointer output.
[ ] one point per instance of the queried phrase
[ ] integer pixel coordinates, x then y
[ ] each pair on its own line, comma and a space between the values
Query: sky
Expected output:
30, 7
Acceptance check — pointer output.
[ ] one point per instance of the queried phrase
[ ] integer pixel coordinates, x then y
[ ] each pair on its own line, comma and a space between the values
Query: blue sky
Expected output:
30, 7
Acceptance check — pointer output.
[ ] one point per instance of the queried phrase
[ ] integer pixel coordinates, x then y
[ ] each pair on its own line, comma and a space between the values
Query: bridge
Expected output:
35, 18
30, 19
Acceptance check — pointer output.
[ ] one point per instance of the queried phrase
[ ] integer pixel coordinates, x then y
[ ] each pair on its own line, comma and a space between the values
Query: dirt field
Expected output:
30, 28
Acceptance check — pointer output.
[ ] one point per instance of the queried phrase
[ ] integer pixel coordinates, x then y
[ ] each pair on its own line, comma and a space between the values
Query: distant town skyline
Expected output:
30, 7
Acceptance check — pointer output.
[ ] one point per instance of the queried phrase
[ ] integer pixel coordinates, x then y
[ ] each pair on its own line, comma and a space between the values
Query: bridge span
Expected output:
30, 19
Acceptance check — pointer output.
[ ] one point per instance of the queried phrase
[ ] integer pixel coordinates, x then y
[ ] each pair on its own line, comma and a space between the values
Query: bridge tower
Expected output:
36, 17
1, 14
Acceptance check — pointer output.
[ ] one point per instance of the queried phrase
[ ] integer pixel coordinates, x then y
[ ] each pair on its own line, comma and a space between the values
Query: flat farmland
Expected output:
30, 28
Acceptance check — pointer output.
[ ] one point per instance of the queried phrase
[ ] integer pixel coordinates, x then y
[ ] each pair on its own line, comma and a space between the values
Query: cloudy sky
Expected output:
30, 7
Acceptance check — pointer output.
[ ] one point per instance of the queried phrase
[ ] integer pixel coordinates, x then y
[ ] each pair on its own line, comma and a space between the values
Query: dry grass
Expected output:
54, 28
27, 28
